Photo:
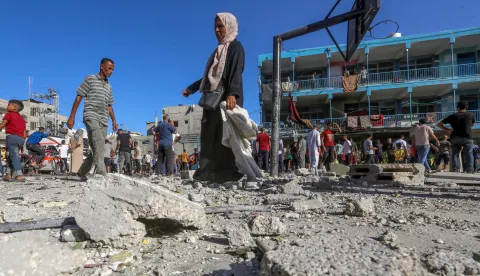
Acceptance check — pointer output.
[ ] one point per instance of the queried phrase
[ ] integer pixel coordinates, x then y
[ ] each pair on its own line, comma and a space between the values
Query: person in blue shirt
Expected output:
164, 132
33, 145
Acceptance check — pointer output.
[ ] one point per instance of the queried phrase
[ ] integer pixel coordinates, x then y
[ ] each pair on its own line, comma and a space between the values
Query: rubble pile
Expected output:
343, 222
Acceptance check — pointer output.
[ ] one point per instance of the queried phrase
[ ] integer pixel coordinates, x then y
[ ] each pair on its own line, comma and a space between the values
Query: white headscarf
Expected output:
215, 72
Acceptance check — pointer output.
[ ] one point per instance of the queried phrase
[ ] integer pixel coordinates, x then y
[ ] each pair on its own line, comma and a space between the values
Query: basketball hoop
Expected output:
378, 36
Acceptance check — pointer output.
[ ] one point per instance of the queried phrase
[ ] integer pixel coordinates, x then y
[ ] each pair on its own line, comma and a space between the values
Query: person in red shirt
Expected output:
15, 127
328, 144
263, 149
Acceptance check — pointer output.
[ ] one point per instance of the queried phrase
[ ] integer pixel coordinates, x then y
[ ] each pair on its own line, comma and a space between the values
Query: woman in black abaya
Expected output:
224, 67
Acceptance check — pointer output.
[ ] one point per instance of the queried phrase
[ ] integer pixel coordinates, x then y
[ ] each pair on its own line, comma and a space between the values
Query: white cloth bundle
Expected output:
238, 132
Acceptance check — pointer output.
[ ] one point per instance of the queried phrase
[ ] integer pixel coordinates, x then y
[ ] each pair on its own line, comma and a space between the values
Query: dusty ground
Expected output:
425, 220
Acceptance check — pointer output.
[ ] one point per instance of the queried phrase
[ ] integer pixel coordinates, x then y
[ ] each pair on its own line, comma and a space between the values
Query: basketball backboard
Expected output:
358, 27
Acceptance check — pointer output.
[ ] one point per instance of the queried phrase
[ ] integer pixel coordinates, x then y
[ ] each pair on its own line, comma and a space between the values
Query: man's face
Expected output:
329, 126
107, 68
389, 140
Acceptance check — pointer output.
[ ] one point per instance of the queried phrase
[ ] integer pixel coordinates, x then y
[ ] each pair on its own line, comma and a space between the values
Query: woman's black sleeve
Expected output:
235, 70
195, 86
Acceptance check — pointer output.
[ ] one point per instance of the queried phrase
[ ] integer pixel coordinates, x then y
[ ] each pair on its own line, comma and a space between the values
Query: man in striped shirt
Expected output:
97, 92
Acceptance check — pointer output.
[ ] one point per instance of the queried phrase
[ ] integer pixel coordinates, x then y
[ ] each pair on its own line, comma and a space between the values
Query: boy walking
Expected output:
15, 128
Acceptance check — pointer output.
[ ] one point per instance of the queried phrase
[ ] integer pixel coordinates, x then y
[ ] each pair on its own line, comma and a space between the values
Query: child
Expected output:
15, 127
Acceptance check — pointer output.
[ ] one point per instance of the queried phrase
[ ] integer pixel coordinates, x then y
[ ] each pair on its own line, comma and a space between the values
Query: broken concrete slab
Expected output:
239, 236
397, 174
127, 207
281, 199
457, 177
339, 169
362, 207
444, 262
292, 188
266, 226
334, 255
305, 205
198, 198
34, 252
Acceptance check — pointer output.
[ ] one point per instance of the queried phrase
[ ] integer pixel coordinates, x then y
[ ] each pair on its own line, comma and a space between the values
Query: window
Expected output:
186, 122
385, 67
175, 123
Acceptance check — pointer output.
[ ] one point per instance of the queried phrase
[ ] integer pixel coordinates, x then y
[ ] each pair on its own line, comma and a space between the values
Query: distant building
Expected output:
187, 120
35, 113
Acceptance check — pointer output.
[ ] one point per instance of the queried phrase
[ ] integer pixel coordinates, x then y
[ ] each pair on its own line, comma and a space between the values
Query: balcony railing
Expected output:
401, 76
389, 121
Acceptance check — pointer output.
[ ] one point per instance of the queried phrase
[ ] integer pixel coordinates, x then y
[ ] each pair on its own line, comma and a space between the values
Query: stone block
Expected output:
362, 207
305, 205
292, 188
118, 210
396, 174
266, 226
239, 236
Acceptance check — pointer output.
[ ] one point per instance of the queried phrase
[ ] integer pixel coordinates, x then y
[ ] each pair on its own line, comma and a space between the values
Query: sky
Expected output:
161, 47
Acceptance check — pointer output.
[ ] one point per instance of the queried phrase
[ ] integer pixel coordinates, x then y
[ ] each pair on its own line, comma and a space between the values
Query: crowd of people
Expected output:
318, 150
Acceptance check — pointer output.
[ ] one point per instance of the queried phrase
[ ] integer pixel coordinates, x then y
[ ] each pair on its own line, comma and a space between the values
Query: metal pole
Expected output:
330, 109
368, 97
453, 62
317, 26
408, 67
411, 111
454, 99
368, 74
328, 57
276, 97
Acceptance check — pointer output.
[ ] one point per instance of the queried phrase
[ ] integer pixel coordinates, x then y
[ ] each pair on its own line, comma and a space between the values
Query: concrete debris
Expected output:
305, 205
128, 207
291, 216
266, 226
334, 255
281, 199
388, 237
37, 253
360, 208
339, 169
292, 188
251, 186
122, 256
302, 172
324, 185
73, 233
451, 263
239, 236
199, 198
393, 174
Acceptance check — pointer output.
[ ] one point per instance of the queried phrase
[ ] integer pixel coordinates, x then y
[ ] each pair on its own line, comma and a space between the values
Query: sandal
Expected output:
82, 177
18, 180
6, 179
